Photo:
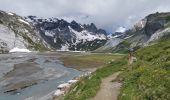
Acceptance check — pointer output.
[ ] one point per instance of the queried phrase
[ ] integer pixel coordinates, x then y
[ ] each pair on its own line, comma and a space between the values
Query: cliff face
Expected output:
149, 29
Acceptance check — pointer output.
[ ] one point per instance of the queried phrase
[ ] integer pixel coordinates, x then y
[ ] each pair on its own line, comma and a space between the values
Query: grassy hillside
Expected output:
149, 77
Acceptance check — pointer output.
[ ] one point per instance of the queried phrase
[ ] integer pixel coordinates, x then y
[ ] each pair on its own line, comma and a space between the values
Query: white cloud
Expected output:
108, 14
121, 29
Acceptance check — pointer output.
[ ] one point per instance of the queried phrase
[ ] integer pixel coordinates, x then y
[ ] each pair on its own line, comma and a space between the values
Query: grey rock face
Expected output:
110, 45
149, 29
152, 28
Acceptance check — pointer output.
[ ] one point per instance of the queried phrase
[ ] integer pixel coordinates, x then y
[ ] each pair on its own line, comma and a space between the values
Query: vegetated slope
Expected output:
15, 31
64, 35
149, 77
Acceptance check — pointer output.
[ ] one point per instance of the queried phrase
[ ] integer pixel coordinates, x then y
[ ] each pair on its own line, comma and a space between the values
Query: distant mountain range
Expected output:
48, 34
40, 34
63, 35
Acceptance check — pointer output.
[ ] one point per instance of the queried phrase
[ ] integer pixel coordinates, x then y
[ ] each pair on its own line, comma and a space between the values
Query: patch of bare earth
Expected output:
109, 90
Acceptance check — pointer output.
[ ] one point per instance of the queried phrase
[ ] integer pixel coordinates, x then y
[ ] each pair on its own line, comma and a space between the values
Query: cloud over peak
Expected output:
107, 14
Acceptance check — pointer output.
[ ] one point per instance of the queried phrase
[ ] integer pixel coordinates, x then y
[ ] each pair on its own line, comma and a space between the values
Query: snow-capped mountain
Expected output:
35, 33
63, 35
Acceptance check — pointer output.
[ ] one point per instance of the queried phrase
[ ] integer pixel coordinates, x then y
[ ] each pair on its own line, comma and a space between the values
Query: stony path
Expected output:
109, 90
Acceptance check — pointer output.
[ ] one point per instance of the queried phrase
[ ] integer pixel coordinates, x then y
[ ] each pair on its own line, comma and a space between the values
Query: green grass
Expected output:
88, 87
149, 78
89, 61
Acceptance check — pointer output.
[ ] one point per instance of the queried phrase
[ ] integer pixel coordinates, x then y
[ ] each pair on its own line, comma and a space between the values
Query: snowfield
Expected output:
16, 49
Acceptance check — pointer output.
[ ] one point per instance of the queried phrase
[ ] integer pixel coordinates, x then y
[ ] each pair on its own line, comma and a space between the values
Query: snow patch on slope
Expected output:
64, 48
49, 33
16, 49
21, 20
86, 36
10, 13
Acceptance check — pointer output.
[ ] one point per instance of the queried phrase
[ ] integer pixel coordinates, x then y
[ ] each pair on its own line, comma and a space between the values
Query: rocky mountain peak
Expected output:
76, 26
91, 27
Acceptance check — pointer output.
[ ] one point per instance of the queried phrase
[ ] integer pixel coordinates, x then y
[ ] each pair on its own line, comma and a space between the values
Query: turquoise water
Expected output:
44, 87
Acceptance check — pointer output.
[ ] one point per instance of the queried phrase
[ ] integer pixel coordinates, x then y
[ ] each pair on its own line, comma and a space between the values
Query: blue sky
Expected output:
107, 14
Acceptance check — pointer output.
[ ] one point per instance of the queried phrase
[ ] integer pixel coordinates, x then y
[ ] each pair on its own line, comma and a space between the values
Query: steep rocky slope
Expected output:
15, 31
151, 28
147, 31
63, 35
